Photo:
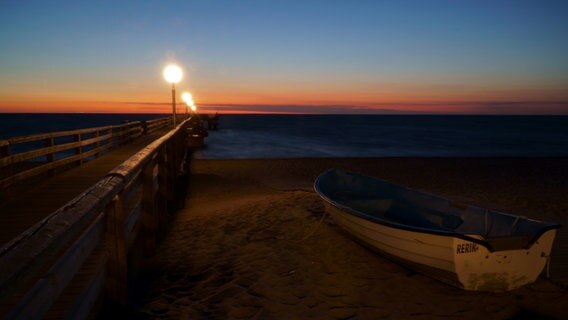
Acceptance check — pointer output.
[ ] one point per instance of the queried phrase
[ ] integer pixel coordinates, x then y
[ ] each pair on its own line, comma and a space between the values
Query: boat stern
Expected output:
479, 269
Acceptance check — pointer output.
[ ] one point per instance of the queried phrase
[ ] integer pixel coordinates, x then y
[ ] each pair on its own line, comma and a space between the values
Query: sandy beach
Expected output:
249, 244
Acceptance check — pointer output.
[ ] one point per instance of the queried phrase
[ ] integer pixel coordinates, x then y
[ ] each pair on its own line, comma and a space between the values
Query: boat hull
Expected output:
454, 260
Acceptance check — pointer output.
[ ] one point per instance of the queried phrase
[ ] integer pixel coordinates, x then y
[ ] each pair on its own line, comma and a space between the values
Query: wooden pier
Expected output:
74, 224
78, 210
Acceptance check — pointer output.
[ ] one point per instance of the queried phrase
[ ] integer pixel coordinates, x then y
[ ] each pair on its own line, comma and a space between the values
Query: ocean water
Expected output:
298, 136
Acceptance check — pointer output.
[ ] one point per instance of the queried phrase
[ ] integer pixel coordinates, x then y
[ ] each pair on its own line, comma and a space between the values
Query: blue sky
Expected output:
363, 53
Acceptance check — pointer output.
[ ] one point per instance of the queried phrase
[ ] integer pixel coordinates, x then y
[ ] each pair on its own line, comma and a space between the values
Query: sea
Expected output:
307, 136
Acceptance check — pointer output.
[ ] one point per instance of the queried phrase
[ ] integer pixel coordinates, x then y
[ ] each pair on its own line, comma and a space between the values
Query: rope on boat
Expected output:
514, 225
314, 229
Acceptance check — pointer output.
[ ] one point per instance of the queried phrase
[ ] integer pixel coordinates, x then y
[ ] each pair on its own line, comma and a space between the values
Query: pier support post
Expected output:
162, 194
117, 280
149, 219
171, 172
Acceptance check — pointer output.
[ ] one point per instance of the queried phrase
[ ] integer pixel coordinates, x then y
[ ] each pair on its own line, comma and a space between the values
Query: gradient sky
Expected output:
490, 57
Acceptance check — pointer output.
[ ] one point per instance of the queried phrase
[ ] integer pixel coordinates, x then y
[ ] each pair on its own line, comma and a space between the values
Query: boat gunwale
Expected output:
406, 227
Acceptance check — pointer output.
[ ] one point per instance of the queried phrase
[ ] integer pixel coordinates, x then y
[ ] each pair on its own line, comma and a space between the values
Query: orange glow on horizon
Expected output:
308, 102
223, 108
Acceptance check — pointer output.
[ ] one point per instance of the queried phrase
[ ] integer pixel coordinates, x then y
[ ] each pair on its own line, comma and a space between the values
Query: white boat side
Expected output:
461, 260
479, 269
474, 266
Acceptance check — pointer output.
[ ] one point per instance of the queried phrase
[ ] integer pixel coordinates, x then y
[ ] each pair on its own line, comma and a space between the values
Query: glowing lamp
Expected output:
173, 74
187, 98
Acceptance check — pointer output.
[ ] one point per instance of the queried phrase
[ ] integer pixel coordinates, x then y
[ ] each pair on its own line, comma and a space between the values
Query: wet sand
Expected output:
249, 244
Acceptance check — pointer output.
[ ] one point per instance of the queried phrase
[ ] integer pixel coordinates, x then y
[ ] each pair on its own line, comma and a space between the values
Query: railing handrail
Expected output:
62, 242
59, 134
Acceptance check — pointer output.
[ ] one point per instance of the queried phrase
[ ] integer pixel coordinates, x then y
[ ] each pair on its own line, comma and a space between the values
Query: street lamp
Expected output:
188, 99
173, 75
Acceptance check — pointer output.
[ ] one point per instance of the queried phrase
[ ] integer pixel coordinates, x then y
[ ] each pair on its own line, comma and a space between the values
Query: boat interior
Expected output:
381, 201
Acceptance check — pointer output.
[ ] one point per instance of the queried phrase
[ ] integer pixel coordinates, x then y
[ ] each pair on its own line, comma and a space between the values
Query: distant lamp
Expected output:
186, 96
173, 75
188, 99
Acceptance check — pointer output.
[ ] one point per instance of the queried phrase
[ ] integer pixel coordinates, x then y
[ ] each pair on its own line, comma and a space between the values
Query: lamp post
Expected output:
173, 75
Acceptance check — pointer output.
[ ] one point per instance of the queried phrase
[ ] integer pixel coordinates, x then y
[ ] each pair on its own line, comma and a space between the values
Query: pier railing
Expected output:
62, 266
157, 124
22, 158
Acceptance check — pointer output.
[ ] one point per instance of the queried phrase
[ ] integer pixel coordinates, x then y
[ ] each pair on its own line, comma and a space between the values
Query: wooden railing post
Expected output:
144, 125
162, 201
49, 142
129, 133
98, 144
109, 141
149, 220
117, 281
78, 150
121, 139
181, 150
172, 172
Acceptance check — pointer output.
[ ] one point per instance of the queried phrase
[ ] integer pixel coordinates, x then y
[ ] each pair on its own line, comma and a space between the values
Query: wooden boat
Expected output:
466, 246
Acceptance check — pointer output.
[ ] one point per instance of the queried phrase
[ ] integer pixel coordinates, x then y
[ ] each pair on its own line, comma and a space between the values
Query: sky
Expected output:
286, 56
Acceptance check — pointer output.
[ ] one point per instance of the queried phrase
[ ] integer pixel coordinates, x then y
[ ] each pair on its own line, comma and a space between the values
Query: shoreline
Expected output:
237, 249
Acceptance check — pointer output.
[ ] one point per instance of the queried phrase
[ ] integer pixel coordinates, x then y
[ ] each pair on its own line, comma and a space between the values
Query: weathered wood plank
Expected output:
159, 120
171, 160
133, 218
78, 150
162, 193
49, 150
129, 168
132, 189
149, 221
153, 125
49, 143
117, 266
160, 123
46, 167
42, 136
40, 298
23, 257
98, 143
85, 291
129, 128
132, 213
